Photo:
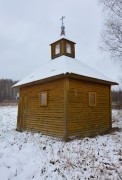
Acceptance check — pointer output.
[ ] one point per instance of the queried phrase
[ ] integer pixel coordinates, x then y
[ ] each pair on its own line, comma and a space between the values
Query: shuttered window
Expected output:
92, 99
43, 98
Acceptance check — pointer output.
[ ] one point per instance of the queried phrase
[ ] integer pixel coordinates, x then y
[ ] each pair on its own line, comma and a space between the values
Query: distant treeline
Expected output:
7, 93
117, 99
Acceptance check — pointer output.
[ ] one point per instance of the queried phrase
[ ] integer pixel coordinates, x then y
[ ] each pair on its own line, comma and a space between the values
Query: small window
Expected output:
57, 49
43, 98
92, 99
68, 48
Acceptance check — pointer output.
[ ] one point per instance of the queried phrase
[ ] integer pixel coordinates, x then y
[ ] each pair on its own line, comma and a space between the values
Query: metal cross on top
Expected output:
62, 19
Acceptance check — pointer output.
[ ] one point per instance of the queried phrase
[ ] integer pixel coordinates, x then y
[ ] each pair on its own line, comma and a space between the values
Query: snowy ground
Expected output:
26, 156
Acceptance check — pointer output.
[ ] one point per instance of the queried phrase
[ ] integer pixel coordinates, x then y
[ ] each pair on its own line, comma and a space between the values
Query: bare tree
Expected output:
117, 99
7, 93
112, 32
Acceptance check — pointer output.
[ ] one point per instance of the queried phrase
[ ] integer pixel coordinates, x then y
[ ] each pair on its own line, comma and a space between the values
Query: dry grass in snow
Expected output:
26, 156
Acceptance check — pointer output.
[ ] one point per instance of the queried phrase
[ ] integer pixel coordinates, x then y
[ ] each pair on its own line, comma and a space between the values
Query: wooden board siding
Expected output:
66, 88
48, 120
68, 112
85, 120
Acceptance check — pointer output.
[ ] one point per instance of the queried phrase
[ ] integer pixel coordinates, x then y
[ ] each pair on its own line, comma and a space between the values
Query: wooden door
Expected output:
22, 113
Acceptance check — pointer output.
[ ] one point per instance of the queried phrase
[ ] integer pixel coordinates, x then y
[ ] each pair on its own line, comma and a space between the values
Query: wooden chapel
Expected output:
65, 97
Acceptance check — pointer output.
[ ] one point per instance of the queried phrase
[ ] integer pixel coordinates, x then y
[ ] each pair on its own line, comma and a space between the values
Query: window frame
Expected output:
59, 48
90, 104
68, 44
40, 99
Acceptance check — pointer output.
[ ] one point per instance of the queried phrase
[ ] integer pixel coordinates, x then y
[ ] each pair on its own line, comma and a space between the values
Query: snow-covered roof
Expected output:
62, 65
62, 37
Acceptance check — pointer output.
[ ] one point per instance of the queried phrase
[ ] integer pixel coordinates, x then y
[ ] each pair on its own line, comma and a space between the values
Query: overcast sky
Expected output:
28, 27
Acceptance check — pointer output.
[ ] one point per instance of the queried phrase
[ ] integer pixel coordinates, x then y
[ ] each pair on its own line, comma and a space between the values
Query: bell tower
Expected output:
63, 46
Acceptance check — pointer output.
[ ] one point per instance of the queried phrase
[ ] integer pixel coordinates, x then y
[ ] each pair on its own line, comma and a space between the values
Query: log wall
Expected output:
68, 112
83, 120
48, 119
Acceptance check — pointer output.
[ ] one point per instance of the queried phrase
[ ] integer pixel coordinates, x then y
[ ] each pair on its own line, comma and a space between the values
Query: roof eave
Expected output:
91, 79
41, 81
67, 74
